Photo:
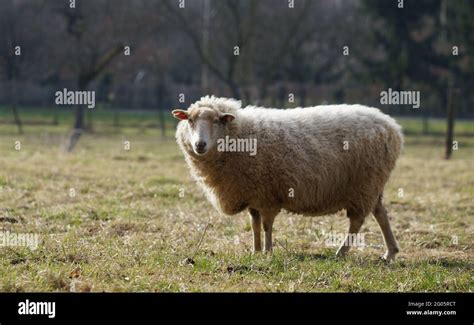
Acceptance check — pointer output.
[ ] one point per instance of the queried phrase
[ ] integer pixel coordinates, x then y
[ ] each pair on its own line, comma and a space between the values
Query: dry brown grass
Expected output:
127, 229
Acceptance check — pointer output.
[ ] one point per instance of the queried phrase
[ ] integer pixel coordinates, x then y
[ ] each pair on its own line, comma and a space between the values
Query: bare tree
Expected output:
18, 42
281, 40
91, 48
220, 52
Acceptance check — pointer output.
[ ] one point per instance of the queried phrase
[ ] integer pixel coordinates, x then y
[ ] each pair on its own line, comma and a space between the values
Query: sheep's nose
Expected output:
200, 145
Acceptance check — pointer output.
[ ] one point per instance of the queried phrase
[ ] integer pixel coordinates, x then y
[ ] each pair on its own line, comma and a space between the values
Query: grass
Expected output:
128, 229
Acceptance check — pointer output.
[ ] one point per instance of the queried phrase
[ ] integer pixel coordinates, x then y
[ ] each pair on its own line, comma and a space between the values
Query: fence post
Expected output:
452, 91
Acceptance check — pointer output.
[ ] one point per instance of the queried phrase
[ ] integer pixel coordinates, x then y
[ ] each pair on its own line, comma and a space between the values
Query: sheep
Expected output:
311, 161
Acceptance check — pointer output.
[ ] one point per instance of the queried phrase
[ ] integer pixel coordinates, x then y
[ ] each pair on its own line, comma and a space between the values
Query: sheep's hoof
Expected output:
341, 252
388, 257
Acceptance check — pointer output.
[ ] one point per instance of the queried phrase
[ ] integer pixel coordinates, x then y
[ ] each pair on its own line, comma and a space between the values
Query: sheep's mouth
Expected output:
200, 152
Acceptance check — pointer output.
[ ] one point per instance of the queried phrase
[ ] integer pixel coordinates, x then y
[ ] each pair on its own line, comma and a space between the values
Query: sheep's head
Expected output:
204, 126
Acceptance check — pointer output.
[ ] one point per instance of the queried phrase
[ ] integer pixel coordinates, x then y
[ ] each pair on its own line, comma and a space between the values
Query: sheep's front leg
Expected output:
267, 218
256, 221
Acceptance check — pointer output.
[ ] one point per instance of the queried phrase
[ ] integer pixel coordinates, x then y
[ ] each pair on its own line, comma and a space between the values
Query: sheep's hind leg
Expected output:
356, 222
380, 214
256, 221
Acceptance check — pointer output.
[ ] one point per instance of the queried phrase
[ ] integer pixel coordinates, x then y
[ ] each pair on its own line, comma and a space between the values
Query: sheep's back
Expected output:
321, 159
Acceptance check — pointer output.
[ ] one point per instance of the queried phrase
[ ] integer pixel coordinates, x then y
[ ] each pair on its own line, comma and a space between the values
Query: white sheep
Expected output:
311, 161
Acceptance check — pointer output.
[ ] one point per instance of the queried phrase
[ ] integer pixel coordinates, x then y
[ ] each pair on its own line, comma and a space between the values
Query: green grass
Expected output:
435, 126
103, 119
127, 228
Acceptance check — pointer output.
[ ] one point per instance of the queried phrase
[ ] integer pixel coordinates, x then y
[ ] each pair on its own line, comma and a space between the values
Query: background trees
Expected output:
19, 49
258, 51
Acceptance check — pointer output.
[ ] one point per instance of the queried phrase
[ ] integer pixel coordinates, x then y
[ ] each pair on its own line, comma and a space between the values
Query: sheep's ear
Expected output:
227, 117
180, 114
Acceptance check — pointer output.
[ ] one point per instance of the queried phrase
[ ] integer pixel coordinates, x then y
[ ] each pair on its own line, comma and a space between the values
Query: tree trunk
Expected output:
303, 94
205, 46
282, 96
90, 120
116, 118
235, 90
160, 96
263, 94
425, 120
247, 96
78, 129
55, 117
14, 107
425, 124
162, 122
78, 121
17, 119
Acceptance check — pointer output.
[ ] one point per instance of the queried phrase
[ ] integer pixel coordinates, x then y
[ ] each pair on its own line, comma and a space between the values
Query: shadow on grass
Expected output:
371, 261
444, 263
451, 263
301, 257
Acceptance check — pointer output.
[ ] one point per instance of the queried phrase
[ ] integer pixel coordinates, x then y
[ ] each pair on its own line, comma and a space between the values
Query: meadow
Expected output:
111, 219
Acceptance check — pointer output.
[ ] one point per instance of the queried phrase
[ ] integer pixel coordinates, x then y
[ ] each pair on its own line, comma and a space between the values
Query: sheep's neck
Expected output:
210, 168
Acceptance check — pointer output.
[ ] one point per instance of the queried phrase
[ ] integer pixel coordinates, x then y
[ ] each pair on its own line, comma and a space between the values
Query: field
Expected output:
111, 219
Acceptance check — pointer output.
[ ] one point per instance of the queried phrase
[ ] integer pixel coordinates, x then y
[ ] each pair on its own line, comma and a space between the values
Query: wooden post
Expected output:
450, 119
